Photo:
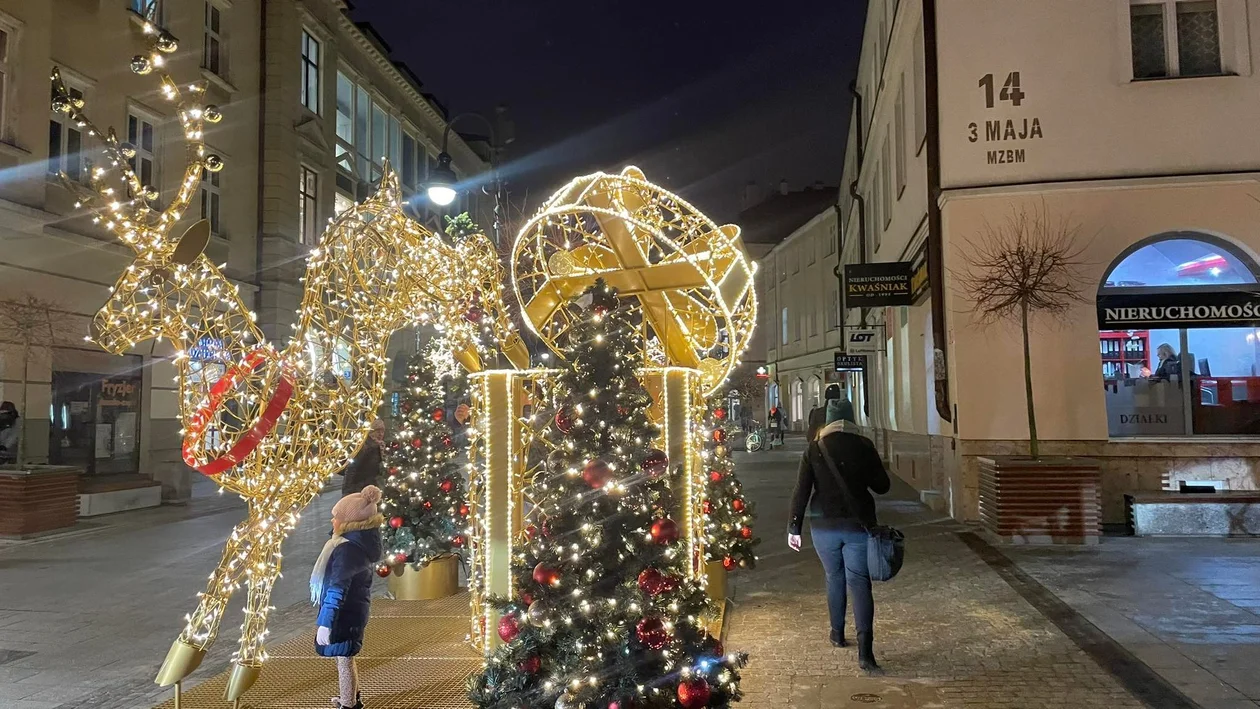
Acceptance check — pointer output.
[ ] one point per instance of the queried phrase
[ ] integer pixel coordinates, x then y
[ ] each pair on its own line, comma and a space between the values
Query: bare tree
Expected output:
32, 323
1028, 265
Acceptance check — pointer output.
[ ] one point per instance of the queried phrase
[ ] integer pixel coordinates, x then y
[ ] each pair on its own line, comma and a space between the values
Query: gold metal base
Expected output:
716, 575
242, 678
437, 579
181, 660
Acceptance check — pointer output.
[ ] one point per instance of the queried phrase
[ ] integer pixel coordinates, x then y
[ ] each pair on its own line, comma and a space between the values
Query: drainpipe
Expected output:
935, 251
860, 142
262, 160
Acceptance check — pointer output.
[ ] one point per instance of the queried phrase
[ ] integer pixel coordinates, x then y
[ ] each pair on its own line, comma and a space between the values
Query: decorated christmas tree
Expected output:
605, 615
728, 515
423, 498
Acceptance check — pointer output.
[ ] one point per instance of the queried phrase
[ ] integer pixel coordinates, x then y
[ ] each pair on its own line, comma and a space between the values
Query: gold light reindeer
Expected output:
273, 425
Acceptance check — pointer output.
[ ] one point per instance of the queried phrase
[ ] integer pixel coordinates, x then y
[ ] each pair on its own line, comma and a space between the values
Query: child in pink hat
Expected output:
341, 585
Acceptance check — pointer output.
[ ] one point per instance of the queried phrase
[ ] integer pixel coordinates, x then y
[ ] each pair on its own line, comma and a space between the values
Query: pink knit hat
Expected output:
357, 506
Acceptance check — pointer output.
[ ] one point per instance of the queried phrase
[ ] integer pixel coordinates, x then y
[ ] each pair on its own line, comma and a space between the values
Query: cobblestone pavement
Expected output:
950, 631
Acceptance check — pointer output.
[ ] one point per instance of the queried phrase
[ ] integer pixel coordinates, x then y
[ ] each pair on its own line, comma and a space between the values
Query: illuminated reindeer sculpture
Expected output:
273, 425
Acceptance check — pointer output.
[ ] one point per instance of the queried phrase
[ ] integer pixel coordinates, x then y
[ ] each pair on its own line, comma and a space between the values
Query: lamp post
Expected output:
442, 180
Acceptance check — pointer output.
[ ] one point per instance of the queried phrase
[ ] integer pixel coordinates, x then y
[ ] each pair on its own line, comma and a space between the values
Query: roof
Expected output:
775, 218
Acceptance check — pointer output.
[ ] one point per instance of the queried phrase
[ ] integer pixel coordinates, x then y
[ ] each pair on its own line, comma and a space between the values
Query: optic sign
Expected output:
861, 340
850, 363
207, 349
1235, 308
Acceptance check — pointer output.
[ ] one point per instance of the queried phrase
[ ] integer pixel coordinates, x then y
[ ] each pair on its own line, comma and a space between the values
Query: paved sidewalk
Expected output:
950, 630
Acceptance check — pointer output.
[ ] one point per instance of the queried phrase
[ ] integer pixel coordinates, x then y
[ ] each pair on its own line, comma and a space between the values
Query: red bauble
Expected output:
463, 510
446, 441
718, 649
395, 522
737, 505
600, 310
527, 597
719, 414
428, 505
382, 571
652, 632
416, 443
530, 665
545, 575
651, 581
693, 693
438, 414
728, 563
745, 532
509, 628
474, 314
719, 435
707, 507
655, 464
446, 486
715, 476
596, 474
393, 470
664, 531
564, 420
406, 407
458, 540
531, 531
400, 559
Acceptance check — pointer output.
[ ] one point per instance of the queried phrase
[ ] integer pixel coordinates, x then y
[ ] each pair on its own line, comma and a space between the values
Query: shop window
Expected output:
95, 422
1179, 339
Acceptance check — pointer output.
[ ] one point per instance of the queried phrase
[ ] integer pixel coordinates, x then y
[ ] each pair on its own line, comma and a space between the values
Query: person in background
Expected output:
775, 424
341, 586
837, 474
10, 432
1169, 364
818, 415
365, 468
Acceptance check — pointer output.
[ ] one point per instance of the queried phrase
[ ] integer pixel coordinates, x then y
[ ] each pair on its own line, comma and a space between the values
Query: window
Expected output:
213, 61
796, 259
798, 401
310, 72
8, 37
920, 90
308, 206
798, 326
210, 196
65, 141
829, 246
873, 224
833, 308
885, 168
813, 250
899, 136
815, 315
1174, 38
141, 133
368, 133
345, 122
341, 203
1181, 355
148, 9
783, 339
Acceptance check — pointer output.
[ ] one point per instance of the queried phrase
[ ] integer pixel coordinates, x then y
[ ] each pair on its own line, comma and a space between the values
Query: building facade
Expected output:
312, 104
1119, 124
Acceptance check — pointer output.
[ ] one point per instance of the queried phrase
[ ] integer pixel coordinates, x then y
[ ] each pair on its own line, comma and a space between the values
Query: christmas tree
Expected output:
728, 516
605, 615
423, 499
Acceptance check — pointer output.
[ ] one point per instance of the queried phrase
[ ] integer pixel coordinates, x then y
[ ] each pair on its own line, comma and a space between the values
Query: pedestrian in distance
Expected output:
818, 415
341, 587
775, 424
365, 468
10, 432
838, 472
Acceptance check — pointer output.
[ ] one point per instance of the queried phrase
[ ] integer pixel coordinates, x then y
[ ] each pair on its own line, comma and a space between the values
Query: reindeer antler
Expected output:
129, 214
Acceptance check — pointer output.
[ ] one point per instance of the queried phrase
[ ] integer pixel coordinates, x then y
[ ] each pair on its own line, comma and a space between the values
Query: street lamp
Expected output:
442, 179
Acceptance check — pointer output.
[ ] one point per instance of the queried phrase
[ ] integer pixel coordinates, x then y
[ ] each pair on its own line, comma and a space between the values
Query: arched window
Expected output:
798, 400
1179, 338
815, 392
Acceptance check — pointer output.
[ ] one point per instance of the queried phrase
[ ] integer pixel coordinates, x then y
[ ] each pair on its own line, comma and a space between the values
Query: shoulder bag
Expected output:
885, 546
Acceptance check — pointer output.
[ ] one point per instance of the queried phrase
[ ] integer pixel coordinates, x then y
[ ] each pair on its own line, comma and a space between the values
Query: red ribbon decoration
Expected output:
214, 401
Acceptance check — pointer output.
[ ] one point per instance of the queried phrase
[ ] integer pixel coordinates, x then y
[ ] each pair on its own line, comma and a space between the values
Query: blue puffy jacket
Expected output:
347, 597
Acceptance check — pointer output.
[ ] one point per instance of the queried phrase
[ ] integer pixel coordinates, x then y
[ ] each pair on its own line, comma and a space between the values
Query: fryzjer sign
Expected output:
878, 285
1176, 310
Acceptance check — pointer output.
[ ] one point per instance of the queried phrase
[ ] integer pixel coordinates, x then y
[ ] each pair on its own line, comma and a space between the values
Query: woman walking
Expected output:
341, 585
838, 472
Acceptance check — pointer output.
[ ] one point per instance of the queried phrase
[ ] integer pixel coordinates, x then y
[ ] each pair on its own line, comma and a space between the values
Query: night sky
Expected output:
703, 95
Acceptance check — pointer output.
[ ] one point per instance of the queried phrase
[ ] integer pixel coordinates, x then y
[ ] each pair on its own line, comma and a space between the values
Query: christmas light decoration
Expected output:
725, 510
279, 422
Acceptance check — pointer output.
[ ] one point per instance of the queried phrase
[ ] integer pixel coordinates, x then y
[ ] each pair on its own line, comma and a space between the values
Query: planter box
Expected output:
437, 579
1046, 501
38, 499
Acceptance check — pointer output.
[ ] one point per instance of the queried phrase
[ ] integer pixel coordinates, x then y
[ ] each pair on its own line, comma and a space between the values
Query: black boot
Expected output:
837, 638
866, 654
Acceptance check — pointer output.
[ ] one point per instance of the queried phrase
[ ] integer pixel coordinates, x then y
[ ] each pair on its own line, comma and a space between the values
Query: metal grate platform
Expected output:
414, 655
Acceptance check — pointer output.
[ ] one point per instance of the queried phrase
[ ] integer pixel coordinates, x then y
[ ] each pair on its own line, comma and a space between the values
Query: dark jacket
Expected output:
347, 597
364, 469
817, 487
817, 419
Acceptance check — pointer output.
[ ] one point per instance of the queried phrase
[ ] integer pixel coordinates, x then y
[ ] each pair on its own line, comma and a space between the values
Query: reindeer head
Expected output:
163, 267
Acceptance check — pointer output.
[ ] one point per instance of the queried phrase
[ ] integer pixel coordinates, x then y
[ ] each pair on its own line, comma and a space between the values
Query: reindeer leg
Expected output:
202, 626
264, 570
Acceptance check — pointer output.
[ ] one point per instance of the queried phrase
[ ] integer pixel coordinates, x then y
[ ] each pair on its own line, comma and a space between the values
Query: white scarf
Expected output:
321, 565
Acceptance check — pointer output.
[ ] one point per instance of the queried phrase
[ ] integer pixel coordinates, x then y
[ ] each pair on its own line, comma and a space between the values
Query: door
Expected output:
95, 422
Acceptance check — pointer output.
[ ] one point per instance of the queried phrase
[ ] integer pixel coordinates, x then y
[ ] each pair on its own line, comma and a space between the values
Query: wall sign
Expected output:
878, 285
207, 349
850, 362
1232, 308
1008, 137
864, 339
919, 276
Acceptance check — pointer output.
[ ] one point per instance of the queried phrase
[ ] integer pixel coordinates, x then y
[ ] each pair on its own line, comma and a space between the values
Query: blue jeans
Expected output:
843, 555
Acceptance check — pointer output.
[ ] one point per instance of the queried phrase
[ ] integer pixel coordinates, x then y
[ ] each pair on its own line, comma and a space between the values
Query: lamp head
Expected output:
442, 181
